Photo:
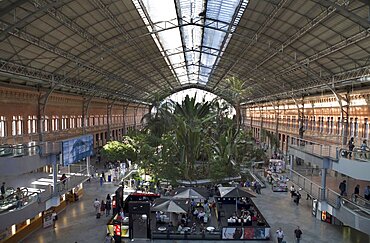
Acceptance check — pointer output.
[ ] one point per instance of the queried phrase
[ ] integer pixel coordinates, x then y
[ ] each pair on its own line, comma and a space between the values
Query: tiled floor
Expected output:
78, 222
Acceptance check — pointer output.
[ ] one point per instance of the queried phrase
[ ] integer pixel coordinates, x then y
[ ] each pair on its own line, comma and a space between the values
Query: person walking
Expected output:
356, 192
351, 146
96, 205
364, 149
101, 180
367, 193
19, 197
108, 207
292, 191
258, 187
3, 189
297, 197
280, 235
54, 217
343, 187
298, 234
102, 207
63, 181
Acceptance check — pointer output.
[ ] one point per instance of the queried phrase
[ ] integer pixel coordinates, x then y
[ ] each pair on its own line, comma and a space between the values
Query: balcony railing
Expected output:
322, 150
77, 175
313, 189
360, 205
18, 200
29, 149
357, 154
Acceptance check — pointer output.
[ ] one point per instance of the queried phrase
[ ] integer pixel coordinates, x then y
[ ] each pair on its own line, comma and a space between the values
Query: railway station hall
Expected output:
184, 121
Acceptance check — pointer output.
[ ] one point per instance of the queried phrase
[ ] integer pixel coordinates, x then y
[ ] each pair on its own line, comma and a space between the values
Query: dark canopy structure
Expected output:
138, 50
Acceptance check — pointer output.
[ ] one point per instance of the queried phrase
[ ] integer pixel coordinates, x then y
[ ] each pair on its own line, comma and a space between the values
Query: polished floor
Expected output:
78, 223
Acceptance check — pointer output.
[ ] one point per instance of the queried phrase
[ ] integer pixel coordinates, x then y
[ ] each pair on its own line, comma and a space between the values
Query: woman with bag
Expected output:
102, 207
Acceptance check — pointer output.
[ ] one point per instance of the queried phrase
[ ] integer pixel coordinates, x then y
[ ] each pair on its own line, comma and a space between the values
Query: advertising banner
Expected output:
245, 233
76, 149
47, 218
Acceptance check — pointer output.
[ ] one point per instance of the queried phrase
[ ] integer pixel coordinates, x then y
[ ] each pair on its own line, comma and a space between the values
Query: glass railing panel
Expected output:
29, 149
305, 184
358, 155
19, 200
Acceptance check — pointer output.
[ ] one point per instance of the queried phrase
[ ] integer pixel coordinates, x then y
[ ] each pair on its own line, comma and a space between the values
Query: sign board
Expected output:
314, 207
76, 149
47, 218
246, 233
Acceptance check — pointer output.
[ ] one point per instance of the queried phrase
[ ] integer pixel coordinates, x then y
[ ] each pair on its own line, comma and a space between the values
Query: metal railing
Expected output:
313, 189
18, 200
360, 206
29, 149
357, 154
322, 150
74, 177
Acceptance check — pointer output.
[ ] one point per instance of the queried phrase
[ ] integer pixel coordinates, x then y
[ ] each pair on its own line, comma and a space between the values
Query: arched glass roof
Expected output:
137, 50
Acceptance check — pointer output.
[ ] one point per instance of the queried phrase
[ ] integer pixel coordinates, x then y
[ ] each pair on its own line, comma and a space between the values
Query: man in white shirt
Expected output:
292, 191
97, 205
280, 235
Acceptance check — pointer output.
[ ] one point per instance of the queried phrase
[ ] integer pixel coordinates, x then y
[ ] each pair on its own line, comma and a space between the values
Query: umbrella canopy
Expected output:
170, 206
189, 193
234, 192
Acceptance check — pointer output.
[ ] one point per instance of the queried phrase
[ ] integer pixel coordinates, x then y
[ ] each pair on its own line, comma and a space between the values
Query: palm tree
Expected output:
237, 91
190, 118
159, 119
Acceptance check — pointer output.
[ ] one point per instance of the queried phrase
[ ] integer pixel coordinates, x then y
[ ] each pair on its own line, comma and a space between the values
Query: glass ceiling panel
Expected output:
185, 48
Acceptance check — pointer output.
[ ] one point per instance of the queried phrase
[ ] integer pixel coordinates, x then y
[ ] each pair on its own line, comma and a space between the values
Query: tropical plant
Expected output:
237, 91
159, 119
190, 118
115, 150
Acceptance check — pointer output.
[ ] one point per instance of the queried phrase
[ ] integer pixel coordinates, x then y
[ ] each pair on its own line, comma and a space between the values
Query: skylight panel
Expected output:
205, 28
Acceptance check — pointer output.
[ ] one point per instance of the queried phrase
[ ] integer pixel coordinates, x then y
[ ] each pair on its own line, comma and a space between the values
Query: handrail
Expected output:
336, 200
357, 154
29, 149
313, 189
65, 185
14, 203
333, 198
322, 150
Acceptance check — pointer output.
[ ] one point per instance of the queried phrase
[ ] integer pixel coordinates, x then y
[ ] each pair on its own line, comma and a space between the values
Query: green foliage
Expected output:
190, 140
121, 151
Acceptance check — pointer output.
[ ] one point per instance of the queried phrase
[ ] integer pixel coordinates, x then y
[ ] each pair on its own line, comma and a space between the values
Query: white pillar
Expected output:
55, 178
88, 165
291, 161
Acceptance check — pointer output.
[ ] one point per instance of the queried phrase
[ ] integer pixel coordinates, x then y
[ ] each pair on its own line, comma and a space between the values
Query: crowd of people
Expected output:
103, 207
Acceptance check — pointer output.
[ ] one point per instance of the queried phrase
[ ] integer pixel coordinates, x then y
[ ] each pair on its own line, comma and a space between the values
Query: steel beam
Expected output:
230, 29
110, 16
335, 79
340, 8
39, 76
42, 102
331, 49
27, 18
67, 55
62, 18
109, 119
85, 112
254, 39
12, 6
302, 31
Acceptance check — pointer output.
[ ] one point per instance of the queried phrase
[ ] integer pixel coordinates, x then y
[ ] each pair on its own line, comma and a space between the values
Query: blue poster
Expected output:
76, 149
